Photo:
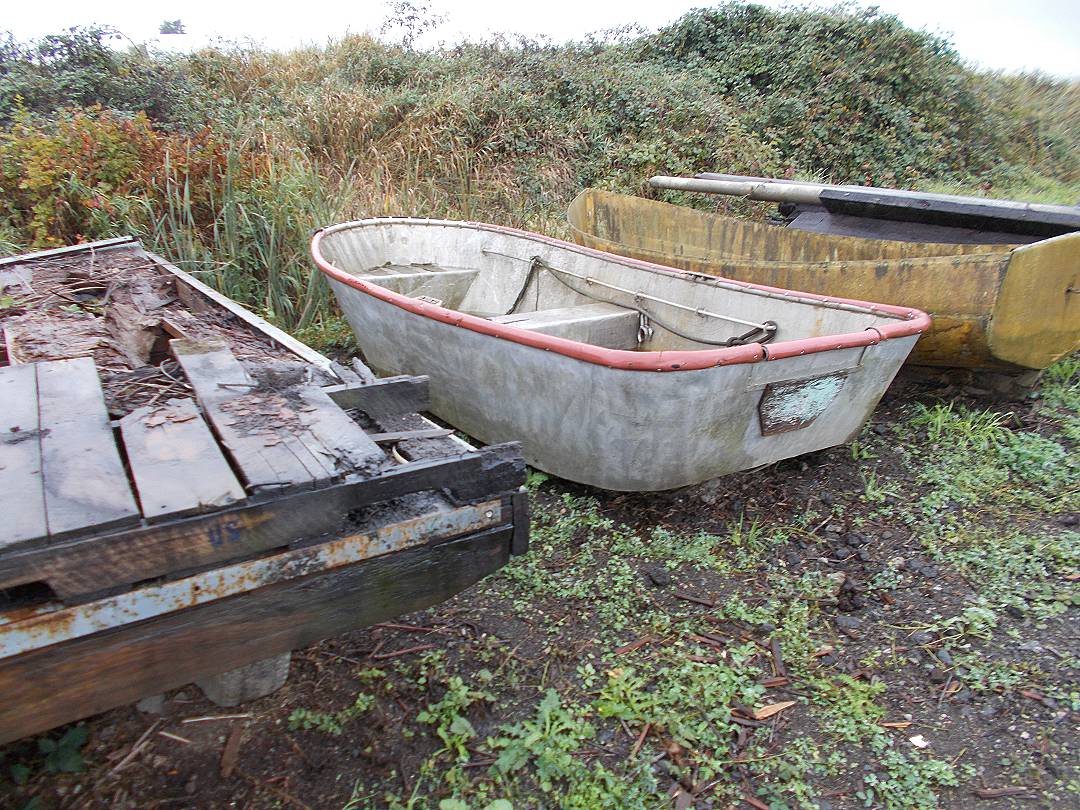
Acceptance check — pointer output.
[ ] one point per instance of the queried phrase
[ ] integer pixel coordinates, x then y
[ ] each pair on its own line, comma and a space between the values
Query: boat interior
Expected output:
672, 230
561, 290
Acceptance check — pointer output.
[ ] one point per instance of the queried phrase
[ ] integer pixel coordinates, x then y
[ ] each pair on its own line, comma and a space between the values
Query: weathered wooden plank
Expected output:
175, 460
86, 487
386, 397
66, 682
83, 566
350, 449
293, 437
265, 461
22, 494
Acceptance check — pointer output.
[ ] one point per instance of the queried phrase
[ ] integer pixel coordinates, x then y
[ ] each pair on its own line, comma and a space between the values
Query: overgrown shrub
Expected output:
80, 68
61, 181
225, 158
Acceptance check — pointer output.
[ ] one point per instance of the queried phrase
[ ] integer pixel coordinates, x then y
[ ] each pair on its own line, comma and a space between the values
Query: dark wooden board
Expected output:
90, 564
86, 487
342, 441
519, 503
936, 211
386, 397
175, 461
66, 682
22, 494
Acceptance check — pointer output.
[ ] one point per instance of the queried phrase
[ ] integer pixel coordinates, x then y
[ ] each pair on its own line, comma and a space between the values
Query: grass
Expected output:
677, 690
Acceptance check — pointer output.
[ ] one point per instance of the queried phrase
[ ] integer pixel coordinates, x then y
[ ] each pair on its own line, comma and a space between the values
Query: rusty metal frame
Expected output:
54, 624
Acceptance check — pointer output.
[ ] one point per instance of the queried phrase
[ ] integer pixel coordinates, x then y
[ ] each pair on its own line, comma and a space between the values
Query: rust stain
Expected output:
28, 630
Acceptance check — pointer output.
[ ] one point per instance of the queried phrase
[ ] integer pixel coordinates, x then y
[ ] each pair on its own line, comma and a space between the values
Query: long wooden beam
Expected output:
47, 627
86, 565
66, 682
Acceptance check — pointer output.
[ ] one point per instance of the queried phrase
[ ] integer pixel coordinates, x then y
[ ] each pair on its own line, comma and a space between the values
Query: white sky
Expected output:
996, 34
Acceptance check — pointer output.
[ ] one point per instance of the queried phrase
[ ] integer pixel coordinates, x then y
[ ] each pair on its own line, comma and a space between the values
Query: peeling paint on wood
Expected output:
65, 624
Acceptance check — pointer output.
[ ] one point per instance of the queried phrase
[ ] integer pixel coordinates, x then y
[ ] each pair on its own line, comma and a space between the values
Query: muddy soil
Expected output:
1013, 745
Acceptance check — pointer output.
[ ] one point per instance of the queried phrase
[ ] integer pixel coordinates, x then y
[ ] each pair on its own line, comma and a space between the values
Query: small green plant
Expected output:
907, 781
330, 722
447, 715
874, 490
960, 427
982, 674
63, 754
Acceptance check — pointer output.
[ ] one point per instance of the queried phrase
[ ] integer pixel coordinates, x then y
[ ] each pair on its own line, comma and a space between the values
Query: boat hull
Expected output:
613, 426
993, 306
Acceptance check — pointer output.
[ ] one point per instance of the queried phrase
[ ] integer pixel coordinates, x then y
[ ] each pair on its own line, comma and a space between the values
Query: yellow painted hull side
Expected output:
994, 306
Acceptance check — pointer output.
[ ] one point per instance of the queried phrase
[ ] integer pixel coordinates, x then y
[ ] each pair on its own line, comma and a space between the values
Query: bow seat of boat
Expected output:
600, 324
448, 286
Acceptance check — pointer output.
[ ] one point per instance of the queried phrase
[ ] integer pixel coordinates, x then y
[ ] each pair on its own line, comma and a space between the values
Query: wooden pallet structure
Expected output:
195, 536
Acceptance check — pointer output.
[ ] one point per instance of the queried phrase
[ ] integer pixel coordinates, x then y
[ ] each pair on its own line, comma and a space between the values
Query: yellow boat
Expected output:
994, 306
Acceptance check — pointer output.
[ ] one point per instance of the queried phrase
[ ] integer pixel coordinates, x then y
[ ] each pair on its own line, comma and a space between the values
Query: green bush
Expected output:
80, 68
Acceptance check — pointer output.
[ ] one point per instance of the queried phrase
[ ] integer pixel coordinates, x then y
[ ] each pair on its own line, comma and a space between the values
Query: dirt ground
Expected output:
891, 623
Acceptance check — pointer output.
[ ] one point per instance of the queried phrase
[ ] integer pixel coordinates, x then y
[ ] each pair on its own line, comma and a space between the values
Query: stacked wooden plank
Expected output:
196, 535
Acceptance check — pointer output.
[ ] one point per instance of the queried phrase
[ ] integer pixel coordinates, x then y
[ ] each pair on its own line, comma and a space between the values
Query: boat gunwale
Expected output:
909, 321
956, 260
953, 259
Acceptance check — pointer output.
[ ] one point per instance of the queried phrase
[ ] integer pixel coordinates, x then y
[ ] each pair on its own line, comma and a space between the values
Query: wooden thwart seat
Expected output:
431, 281
599, 324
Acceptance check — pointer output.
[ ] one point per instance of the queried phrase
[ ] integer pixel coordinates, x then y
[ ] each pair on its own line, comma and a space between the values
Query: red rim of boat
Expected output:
914, 321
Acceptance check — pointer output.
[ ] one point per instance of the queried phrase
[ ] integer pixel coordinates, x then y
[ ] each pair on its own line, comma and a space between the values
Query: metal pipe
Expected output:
771, 190
799, 193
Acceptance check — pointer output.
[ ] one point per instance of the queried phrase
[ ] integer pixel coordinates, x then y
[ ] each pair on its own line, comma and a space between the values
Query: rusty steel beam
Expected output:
26, 633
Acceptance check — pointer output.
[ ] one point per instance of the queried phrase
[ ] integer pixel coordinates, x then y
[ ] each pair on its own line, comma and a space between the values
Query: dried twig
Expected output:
136, 749
176, 737
633, 645
777, 657
998, 793
208, 718
406, 651
640, 740
688, 598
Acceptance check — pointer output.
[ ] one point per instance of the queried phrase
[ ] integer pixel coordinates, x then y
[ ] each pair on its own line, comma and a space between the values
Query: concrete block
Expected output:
253, 681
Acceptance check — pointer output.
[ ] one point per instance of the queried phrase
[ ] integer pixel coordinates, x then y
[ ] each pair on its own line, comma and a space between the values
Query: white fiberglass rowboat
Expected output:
612, 372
